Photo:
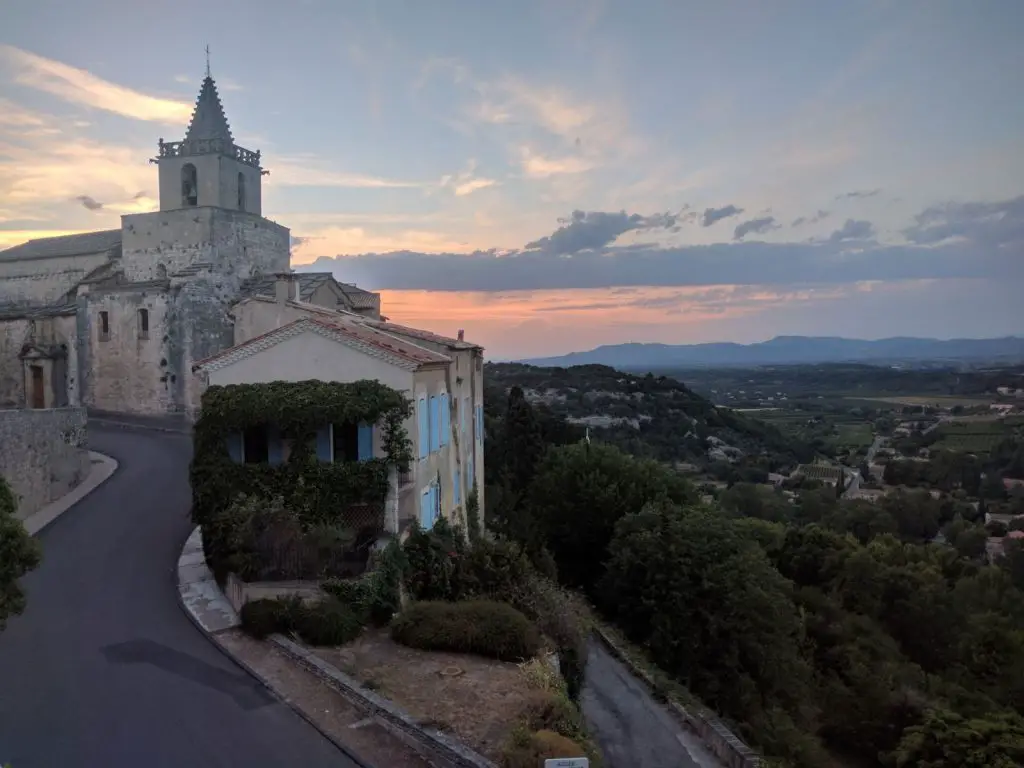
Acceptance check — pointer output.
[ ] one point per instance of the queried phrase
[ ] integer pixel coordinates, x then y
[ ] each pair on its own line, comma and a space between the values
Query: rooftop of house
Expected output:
351, 332
308, 284
418, 333
64, 245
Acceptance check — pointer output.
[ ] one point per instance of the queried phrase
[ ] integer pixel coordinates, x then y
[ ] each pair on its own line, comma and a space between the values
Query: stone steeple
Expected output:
208, 119
208, 168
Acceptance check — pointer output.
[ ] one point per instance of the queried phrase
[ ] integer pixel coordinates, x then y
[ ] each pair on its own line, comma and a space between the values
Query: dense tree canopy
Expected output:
816, 625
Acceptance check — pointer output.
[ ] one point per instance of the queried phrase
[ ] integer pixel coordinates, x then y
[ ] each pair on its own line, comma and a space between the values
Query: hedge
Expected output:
484, 627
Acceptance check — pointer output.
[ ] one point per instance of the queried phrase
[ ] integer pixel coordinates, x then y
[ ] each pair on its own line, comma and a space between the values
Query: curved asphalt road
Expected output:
104, 669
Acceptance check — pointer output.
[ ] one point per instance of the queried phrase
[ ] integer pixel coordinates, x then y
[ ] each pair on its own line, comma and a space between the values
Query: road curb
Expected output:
185, 561
102, 469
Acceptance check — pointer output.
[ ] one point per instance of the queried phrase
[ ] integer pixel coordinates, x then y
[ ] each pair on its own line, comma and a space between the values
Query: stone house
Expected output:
114, 320
441, 375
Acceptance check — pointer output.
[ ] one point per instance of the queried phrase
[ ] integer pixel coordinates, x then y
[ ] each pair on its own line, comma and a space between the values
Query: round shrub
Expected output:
261, 618
328, 622
533, 750
266, 616
483, 627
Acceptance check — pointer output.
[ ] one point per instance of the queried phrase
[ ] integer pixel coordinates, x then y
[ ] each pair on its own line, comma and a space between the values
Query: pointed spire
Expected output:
208, 120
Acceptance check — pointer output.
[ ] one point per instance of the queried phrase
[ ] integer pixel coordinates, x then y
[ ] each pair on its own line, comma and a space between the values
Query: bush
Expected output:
552, 711
264, 617
483, 627
329, 622
531, 750
432, 556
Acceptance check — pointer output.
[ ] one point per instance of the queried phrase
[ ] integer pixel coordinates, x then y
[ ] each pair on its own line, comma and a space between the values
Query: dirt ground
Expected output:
474, 699
329, 709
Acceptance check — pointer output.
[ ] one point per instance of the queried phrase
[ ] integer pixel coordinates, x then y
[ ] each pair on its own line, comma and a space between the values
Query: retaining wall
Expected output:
43, 454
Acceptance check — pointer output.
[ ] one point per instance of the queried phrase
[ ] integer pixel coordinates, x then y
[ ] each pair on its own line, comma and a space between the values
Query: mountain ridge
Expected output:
782, 350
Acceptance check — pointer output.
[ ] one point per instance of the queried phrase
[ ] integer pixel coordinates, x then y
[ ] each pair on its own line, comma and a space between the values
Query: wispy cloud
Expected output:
819, 216
714, 215
301, 172
79, 86
754, 227
538, 166
858, 194
467, 182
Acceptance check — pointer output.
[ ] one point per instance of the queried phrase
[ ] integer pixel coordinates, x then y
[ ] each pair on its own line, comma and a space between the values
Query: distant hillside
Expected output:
792, 350
652, 416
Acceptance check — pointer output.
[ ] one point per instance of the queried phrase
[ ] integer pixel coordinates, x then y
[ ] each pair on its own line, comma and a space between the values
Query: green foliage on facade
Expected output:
19, 554
319, 490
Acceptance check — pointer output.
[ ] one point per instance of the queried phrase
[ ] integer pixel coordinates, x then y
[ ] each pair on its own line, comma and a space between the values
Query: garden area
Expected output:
458, 629
485, 648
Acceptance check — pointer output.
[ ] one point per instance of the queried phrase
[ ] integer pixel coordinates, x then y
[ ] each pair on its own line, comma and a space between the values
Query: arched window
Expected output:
189, 186
241, 191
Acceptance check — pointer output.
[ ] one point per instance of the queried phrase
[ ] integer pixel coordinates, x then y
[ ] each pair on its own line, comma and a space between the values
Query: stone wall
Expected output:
43, 454
45, 280
127, 368
236, 243
13, 335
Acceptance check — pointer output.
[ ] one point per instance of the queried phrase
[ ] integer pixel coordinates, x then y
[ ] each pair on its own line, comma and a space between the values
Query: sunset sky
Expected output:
552, 175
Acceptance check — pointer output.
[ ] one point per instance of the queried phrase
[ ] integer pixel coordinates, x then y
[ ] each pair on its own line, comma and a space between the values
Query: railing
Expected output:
209, 147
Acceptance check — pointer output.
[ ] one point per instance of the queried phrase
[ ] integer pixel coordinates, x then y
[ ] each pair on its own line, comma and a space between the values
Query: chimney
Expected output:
284, 287
462, 335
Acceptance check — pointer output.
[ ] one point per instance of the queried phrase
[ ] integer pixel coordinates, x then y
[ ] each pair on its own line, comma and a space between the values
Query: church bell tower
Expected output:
208, 169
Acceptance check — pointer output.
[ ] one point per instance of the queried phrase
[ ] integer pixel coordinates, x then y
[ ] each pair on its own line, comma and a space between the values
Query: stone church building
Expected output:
115, 320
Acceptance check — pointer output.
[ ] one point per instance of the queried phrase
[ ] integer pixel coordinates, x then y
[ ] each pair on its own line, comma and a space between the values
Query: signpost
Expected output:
567, 762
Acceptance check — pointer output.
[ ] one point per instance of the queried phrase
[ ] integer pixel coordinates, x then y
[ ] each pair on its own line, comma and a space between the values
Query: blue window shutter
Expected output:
323, 443
446, 419
235, 447
365, 442
423, 428
426, 513
435, 442
275, 452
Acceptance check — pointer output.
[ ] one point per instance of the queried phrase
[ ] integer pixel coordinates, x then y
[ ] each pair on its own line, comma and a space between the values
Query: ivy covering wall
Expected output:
318, 494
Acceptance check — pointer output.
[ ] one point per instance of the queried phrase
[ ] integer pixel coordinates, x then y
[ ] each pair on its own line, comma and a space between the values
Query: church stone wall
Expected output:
160, 244
125, 371
44, 281
43, 454
13, 334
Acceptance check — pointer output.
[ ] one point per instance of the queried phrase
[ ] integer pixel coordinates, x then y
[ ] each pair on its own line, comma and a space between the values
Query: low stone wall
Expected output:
43, 454
240, 592
715, 734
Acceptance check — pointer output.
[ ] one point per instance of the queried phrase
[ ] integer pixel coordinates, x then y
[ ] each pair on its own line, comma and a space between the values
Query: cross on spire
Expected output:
207, 60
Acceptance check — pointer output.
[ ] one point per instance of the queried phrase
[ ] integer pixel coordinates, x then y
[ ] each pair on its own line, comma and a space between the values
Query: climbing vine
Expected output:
321, 493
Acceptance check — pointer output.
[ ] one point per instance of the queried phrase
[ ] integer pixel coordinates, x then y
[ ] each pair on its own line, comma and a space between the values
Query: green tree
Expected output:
19, 554
580, 493
947, 740
707, 603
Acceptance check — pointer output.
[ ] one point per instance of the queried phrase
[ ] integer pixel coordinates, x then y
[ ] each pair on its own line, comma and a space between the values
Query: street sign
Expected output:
567, 762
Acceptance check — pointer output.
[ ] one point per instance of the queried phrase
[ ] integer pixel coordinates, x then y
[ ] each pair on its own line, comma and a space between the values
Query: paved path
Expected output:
104, 668
632, 728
